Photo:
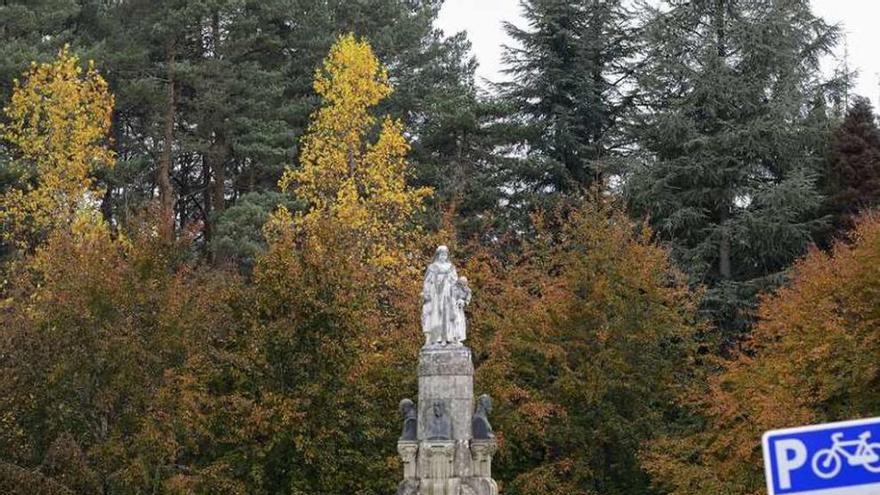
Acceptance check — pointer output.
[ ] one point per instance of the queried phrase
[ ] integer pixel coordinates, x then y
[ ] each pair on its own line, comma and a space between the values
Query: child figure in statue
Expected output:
462, 295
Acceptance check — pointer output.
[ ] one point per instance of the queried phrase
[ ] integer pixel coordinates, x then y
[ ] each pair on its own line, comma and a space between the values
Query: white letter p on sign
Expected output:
787, 463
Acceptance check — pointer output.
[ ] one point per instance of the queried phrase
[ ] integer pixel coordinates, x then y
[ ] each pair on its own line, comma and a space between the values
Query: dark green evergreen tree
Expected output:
33, 30
569, 68
851, 181
731, 157
461, 153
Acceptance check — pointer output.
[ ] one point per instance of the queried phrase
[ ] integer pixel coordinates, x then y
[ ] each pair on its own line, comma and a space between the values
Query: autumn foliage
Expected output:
360, 186
129, 365
814, 351
58, 125
583, 339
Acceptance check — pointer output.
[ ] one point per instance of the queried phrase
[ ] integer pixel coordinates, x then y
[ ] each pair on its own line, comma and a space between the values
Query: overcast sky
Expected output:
859, 19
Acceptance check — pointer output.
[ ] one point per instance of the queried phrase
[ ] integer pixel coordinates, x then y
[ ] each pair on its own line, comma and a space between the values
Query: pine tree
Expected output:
242, 91
568, 71
731, 160
33, 31
464, 153
851, 182
146, 51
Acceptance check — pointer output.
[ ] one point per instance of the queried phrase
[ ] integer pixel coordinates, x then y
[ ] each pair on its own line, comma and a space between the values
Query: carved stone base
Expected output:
481, 456
437, 460
408, 451
449, 486
481, 486
446, 459
408, 487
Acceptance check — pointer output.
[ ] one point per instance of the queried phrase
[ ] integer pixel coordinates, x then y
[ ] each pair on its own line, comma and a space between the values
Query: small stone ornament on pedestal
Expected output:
410, 421
480, 426
446, 444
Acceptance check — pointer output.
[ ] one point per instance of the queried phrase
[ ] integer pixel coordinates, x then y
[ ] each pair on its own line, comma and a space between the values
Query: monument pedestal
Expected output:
444, 459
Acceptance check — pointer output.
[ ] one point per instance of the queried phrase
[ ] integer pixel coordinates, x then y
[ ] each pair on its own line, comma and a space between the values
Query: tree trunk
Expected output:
166, 200
720, 36
217, 156
724, 253
215, 194
724, 245
219, 147
207, 201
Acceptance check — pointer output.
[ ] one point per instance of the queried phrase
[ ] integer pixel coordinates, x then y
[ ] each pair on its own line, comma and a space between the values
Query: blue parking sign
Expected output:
828, 459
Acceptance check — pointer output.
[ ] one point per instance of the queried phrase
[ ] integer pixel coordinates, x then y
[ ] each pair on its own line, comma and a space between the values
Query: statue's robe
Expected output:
438, 312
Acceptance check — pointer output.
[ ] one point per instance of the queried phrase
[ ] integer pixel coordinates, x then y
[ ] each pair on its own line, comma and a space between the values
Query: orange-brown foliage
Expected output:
582, 339
813, 357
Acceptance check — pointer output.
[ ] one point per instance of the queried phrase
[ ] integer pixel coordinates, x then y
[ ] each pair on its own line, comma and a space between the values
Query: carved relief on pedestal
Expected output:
481, 454
439, 457
440, 422
408, 451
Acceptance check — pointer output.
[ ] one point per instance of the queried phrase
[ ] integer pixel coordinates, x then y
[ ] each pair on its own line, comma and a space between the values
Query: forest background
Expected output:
215, 214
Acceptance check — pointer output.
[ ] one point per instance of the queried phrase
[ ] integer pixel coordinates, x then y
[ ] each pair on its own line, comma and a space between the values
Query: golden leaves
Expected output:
58, 121
344, 179
352, 76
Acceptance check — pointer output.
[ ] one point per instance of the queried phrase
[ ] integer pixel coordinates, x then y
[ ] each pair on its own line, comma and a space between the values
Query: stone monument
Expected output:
447, 443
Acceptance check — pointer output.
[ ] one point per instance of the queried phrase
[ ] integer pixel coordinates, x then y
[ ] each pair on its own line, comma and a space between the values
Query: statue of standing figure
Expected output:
444, 297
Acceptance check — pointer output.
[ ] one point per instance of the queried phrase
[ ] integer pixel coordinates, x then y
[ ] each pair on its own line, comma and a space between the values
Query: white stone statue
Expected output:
461, 293
443, 301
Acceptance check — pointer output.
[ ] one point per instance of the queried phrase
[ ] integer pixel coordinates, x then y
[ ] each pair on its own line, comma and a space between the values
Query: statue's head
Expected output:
439, 409
485, 403
462, 281
442, 254
406, 406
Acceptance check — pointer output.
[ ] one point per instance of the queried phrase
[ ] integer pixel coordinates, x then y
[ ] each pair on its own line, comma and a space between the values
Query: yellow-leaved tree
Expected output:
345, 180
333, 294
57, 123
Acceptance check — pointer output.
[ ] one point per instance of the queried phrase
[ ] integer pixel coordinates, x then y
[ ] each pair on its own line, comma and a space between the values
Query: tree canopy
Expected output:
812, 350
215, 215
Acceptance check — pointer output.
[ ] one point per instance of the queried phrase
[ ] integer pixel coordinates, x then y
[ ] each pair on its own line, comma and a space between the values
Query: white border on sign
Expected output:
869, 489
873, 488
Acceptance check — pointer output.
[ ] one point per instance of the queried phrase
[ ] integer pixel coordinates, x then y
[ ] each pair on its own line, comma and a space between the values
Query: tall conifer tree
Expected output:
729, 177
568, 70
852, 181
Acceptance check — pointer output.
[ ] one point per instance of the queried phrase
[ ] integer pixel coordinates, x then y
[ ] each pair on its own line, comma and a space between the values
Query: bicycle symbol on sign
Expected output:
827, 462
